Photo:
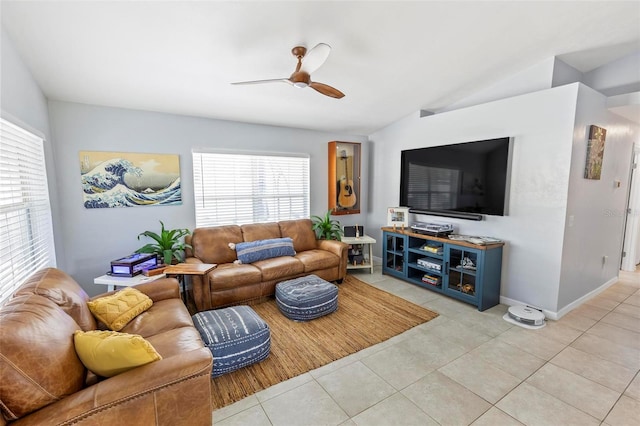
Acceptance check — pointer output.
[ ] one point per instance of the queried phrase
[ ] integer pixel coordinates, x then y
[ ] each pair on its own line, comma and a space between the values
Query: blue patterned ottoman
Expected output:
236, 336
306, 298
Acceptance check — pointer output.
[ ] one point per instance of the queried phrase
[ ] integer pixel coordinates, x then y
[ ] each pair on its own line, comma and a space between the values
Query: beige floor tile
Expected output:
584, 394
235, 408
590, 311
395, 410
496, 417
460, 334
633, 300
480, 377
623, 355
607, 373
486, 323
633, 391
254, 416
446, 306
617, 294
625, 412
577, 321
346, 384
532, 406
417, 295
446, 401
532, 342
615, 334
623, 321
602, 303
397, 366
308, 404
556, 330
508, 358
623, 287
628, 309
282, 387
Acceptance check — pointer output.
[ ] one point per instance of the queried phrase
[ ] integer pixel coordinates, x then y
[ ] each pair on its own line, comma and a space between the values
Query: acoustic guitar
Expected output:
346, 195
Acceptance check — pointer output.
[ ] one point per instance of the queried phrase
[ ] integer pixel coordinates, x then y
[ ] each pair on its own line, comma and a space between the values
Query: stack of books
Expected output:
432, 248
428, 279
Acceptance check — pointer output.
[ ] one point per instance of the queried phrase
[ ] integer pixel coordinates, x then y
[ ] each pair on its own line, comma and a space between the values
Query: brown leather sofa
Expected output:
232, 284
43, 382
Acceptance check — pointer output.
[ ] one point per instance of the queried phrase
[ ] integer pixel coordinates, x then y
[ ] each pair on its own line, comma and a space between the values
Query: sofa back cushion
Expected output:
62, 290
260, 231
301, 232
211, 245
38, 361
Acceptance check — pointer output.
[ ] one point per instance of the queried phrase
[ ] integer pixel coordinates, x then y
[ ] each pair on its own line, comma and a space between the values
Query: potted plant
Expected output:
327, 228
168, 244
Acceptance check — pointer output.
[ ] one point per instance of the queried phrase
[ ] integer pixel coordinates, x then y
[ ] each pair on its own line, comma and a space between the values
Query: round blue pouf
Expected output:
306, 298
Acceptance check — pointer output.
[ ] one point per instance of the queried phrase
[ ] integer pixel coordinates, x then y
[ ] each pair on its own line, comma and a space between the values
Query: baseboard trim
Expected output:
570, 307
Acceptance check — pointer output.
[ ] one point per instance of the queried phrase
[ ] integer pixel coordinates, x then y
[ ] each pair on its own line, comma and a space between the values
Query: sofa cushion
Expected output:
177, 341
314, 260
253, 251
38, 361
117, 309
164, 315
301, 232
260, 231
64, 291
109, 353
279, 267
211, 245
231, 275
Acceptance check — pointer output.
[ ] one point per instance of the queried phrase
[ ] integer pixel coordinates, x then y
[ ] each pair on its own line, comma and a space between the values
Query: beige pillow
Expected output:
107, 353
116, 310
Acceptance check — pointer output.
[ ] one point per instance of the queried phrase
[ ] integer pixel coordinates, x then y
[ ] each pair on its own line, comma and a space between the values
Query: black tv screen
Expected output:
463, 180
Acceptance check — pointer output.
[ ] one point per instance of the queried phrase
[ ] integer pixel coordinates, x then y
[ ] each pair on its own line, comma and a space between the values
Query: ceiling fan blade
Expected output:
273, 80
315, 58
326, 90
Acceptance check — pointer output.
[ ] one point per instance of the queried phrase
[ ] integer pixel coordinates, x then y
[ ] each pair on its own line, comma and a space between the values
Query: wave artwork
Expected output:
112, 179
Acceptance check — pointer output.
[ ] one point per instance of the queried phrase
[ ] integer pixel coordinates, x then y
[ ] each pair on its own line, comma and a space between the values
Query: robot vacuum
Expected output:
525, 316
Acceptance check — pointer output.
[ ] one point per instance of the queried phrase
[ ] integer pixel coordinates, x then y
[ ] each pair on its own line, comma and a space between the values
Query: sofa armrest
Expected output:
192, 260
172, 391
161, 289
338, 248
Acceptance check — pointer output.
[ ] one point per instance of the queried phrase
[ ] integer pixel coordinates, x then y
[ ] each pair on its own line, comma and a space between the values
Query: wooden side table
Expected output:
113, 281
363, 240
182, 269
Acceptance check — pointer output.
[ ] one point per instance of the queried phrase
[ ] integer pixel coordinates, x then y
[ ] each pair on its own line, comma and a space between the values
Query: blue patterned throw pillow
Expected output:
253, 251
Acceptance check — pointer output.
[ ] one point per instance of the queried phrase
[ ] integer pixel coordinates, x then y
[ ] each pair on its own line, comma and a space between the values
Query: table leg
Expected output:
371, 257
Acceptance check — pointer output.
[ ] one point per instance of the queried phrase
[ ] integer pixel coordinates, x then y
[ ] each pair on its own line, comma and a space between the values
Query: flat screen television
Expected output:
464, 180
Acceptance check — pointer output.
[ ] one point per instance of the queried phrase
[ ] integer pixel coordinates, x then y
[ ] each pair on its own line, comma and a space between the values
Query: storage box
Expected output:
133, 264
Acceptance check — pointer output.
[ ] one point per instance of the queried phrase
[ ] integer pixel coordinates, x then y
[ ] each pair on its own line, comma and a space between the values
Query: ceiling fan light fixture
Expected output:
300, 84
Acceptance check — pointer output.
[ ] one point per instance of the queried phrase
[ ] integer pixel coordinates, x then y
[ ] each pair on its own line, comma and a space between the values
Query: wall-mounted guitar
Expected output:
346, 196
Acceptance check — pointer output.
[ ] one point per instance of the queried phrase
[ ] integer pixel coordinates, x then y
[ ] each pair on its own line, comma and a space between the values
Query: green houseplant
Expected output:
327, 228
168, 244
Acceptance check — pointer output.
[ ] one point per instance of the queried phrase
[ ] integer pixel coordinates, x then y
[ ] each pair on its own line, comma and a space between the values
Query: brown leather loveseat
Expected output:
231, 283
43, 382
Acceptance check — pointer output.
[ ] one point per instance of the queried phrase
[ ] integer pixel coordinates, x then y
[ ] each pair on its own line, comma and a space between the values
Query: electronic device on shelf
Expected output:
432, 228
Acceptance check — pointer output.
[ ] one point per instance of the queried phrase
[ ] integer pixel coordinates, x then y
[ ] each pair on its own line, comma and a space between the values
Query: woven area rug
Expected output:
365, 316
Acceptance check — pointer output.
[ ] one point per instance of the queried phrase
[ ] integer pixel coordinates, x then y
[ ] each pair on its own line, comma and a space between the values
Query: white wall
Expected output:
595, 208
24, 104
542, 124
91, 238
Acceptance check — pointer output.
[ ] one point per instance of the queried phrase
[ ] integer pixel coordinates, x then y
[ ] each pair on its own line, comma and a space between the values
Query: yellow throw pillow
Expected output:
108, 353
116, 310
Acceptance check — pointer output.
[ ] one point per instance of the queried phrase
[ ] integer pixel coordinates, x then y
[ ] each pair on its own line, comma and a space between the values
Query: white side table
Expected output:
112, 282
363, 240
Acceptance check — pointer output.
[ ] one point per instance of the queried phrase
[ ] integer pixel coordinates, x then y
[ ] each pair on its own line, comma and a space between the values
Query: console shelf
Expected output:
464, 271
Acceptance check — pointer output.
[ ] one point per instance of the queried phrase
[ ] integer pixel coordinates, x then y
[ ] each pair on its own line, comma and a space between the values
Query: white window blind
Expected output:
26, 232
232, 188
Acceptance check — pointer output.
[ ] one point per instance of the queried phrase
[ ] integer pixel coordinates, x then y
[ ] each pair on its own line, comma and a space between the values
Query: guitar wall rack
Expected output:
344, 177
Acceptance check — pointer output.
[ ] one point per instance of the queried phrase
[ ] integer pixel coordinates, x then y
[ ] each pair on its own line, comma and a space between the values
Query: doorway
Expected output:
631, 244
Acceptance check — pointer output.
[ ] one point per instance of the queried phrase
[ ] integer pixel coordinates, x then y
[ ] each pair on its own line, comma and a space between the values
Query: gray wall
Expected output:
91, 238
24, 104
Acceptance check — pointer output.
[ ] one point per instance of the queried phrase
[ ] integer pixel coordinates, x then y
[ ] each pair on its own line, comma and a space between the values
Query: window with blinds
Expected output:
434, 187
234, 188
26, 231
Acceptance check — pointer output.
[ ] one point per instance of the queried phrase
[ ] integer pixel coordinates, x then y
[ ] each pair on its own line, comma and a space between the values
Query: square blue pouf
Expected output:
306, 298
236, 336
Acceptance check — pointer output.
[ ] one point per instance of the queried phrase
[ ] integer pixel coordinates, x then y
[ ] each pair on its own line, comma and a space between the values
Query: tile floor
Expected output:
469, 367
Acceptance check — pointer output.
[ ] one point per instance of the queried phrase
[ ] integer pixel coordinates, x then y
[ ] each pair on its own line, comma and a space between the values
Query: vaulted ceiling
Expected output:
389, 58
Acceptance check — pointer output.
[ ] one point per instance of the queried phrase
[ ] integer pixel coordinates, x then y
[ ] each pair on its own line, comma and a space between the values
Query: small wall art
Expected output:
123, 179
398, 216
595, 152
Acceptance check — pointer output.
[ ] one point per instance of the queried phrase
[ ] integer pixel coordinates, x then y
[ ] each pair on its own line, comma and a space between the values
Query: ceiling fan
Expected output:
301, 77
